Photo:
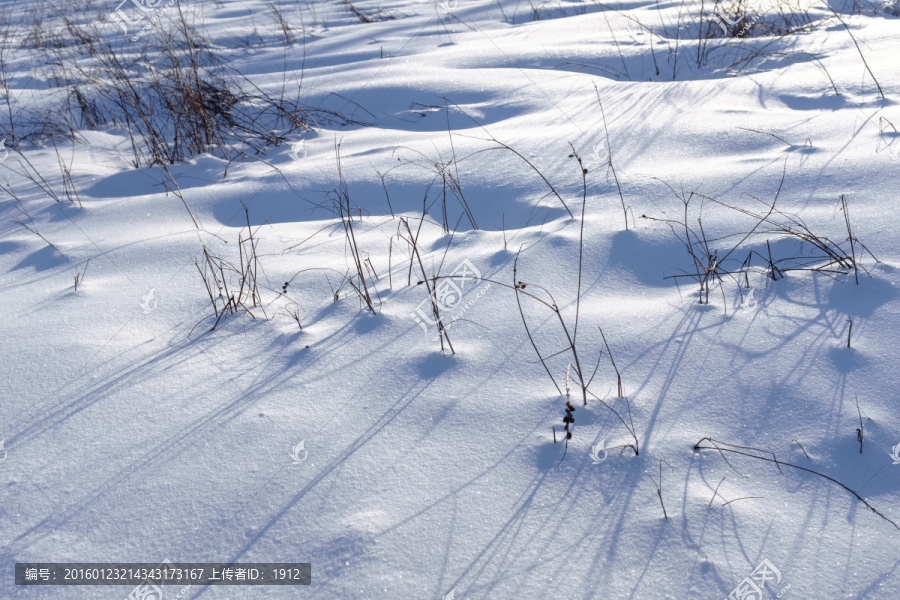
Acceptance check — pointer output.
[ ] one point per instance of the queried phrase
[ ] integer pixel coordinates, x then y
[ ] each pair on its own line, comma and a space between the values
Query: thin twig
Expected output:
859, 432
744, 498
715, 446
716, 491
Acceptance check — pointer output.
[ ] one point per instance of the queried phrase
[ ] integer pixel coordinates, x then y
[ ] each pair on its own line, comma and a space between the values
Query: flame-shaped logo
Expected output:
298, 151
740, 24
299, 453
749, 302
895, 152
451, 595
4, 153
895, 453
601, 153
725, 18
449, 6
149, 302
3, 452
596, 459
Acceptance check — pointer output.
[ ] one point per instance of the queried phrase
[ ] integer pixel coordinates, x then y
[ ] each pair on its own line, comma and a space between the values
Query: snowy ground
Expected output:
134, 433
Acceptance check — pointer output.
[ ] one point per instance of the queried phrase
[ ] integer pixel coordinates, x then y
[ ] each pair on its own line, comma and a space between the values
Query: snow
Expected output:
134, 433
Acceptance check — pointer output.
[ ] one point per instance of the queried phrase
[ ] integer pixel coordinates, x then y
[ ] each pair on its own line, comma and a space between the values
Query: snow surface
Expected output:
133, 433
